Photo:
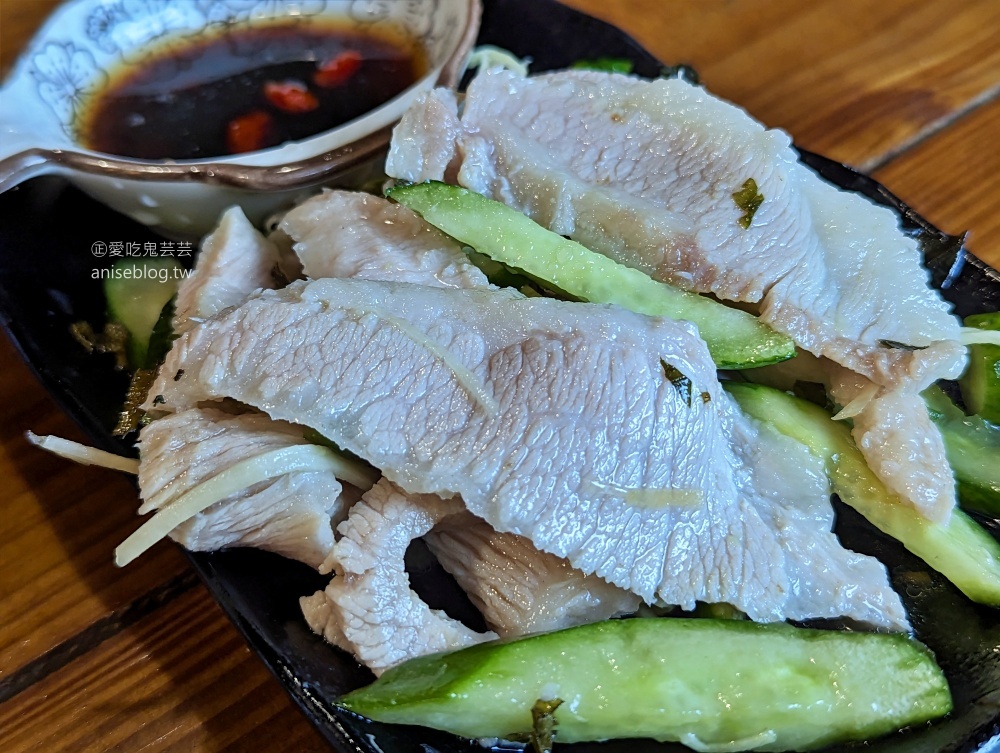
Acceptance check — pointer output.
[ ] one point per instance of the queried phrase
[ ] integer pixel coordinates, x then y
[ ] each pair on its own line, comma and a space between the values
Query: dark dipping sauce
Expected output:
246, 89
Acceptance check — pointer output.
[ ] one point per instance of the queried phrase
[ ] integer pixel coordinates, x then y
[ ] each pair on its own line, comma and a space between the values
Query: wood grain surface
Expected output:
179, 679
95, 659
57, 522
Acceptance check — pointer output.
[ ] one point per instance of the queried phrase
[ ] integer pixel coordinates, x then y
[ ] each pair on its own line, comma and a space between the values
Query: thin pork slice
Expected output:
352, 234
891, 427
646, 173
789, 485
594, 432
234, 260
426, 140
293, 515
905, 450
518, 589
369, 608
894, 432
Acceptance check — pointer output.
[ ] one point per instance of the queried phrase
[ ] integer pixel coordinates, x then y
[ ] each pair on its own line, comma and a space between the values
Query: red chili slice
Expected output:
249, 132
290, 96
337, 71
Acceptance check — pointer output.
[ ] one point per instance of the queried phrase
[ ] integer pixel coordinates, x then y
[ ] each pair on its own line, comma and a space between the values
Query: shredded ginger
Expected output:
692, 741
488, 56
83, 454
473, 386
652, 498
976, 336
236, 478
859, 403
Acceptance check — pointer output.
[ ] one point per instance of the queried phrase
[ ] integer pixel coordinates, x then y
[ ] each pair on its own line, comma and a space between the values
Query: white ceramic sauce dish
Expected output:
85, 41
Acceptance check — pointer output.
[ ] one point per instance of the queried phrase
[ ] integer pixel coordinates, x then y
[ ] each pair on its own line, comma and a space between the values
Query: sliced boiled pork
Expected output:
518, 589
234, 260
646, 171
598, 434
650, 173
293, 515
892, 429
369, 608
357, 235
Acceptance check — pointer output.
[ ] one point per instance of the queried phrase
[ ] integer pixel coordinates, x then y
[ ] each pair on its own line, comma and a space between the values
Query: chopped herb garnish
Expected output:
543, 725
161, 339
683, 71
605, 64
681, 382
900, 346
84, 334
132, 416
749, 200
112, 340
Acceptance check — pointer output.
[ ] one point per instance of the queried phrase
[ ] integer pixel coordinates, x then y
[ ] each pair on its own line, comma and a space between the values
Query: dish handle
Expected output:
21, 166
21, 156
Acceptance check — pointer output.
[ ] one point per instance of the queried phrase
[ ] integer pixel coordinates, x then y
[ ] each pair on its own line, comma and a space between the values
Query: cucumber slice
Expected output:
963, 551
712, 684
981, 382
973, 448
736, 339
136, 291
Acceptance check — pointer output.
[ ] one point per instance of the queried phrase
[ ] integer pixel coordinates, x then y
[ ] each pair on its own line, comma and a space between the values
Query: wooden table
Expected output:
93, 658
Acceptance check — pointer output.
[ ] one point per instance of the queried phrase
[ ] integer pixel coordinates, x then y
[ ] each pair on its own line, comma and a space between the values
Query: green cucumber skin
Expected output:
136, 303
981, 382
735, 339
963, 551
666, 678
973, 448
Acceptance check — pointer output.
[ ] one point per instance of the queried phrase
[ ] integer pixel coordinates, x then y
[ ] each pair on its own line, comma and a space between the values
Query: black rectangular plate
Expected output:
45, 285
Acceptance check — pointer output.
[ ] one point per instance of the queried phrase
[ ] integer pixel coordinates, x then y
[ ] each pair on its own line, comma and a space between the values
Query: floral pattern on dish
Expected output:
102, 23
254, 10
65, 74
123, 26
418, 18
